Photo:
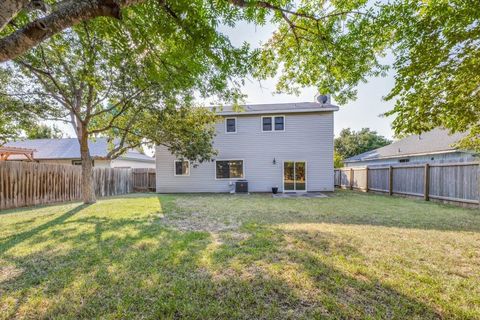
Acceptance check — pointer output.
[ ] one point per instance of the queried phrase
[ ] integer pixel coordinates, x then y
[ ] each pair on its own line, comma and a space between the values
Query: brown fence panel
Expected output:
454, 182
144, 179
28, 183
378, 179
408, 180
457, 182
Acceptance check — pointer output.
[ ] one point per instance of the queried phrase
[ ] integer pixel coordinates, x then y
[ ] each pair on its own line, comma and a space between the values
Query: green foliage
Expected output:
42, 131
437, 59
351, 143
337, 160
84, 78
330, 45
15, 116
330, 49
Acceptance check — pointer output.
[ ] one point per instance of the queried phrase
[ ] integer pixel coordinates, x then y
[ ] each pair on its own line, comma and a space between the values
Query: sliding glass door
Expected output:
294, 176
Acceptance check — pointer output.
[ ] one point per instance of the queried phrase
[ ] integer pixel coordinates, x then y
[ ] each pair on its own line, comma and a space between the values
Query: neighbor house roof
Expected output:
297, 107
69, 148
432, 142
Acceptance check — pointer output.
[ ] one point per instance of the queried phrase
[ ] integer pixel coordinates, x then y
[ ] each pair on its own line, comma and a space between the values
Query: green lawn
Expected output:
351, 255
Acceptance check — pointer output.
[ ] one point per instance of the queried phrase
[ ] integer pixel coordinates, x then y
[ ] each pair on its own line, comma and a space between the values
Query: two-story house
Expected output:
288, 145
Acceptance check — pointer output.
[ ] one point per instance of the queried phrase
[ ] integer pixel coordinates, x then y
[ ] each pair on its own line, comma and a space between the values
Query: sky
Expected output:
364, 112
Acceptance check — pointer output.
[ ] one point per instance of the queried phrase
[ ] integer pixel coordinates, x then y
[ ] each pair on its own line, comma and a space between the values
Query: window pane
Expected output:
279, 123
182, 168
267, 124
236, 169
288, 176
229, 169
300, 184
231, 125
222, 170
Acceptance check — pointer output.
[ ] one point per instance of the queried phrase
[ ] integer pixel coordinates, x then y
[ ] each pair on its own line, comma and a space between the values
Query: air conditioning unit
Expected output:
241, 186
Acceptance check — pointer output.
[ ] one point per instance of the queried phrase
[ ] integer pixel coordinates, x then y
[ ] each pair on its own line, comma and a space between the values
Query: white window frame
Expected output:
273, 123
229, 118
175, 168
243, 169
283, 176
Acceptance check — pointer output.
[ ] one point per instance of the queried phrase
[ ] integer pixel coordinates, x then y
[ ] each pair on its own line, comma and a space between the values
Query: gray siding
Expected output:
307, 137
437, 158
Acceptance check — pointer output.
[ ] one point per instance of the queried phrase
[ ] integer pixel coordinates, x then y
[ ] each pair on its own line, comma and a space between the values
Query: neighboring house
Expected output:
289, 145
435, 146
67, 151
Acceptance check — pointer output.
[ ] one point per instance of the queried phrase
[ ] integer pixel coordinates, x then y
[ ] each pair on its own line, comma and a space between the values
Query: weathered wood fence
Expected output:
26, 183
144, 180
456, 182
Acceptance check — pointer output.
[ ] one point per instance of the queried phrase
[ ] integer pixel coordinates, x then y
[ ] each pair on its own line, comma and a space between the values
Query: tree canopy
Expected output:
80, 77
43, 131
351, 143
437, 61
332, 45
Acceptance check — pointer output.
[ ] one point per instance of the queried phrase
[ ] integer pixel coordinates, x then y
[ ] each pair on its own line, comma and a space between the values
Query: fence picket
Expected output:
26, 184
457, 182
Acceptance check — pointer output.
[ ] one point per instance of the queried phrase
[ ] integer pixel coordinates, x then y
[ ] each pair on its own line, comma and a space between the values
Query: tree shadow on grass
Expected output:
320, 290
140, 268
19, 238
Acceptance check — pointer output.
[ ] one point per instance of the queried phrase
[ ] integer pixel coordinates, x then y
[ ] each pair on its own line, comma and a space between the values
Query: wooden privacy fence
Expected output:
26, 183
457, 182
144, 179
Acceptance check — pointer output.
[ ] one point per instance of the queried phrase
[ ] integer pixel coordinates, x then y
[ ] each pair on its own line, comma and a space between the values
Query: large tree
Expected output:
83, 79
350, 143
332, 45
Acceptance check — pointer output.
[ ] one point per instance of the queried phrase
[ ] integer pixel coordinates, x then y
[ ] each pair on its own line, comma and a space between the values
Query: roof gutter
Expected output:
231, 113
407, 155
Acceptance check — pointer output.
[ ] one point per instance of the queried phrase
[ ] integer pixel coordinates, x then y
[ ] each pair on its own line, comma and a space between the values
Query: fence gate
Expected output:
144, 180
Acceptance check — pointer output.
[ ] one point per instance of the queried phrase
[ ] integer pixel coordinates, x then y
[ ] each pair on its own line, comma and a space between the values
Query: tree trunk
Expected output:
88, 191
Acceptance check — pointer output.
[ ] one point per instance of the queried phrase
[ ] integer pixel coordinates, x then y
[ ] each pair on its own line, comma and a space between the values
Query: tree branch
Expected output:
9, 10
67, 15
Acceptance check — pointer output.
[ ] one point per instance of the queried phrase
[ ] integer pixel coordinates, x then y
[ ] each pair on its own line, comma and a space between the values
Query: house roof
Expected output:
69, 148
296, 107
433, 142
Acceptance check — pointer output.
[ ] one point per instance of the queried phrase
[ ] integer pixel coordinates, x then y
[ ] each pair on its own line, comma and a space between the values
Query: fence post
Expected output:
366, 179
351, 178
390, 180
426, 182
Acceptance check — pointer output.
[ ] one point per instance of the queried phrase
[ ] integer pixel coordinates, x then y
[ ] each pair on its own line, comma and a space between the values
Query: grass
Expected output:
241, 257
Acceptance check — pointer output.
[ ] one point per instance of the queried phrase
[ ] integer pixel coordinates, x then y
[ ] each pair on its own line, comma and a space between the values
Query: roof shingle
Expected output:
435, 141
69, 148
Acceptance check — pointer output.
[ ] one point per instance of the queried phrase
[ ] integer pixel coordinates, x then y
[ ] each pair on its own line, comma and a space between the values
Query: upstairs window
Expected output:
404, 160
276, 123
182, 168
279, 123
231, 125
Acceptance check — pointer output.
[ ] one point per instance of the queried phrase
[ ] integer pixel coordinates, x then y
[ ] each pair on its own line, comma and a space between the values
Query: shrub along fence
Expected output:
456, 182
26, 183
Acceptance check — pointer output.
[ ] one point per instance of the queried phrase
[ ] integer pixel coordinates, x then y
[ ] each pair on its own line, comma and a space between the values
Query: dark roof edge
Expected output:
408, 155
